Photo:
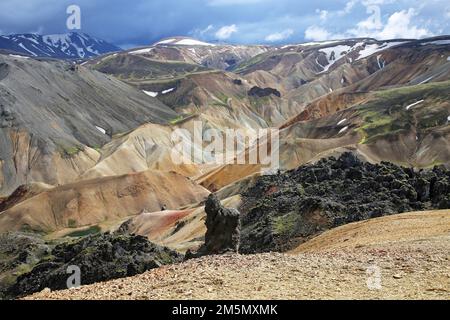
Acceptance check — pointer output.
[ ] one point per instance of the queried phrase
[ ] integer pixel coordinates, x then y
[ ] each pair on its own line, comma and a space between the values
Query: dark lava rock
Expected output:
100, 258
260, 92
223, 229
19, 252
280, 212
237, 82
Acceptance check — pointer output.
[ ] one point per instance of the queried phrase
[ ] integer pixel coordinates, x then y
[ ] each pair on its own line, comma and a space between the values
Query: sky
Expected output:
136, 23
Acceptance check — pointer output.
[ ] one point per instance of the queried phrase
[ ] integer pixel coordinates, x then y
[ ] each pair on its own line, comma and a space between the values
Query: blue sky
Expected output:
130, 23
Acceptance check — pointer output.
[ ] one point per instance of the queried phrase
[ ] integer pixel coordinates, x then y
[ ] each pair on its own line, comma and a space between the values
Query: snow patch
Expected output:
101, 129
371, 49
142, 51
341, 122
333, 55
381, 63
151, 94
167, 91
437, 42
24, 48
308, 44
427, 80
184, 42
343, 130
17, 56
414, 104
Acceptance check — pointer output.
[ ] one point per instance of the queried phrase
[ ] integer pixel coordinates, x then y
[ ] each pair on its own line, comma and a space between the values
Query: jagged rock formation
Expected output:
223, 229
100, 258
282, 211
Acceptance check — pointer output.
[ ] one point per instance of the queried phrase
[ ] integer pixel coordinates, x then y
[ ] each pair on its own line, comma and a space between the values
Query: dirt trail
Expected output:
416, 268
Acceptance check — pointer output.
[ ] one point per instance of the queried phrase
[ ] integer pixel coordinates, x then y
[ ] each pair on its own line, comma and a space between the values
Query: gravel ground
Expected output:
408, 270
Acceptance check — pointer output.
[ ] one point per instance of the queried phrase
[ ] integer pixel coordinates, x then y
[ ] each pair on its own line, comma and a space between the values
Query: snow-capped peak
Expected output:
67, 46
177, 41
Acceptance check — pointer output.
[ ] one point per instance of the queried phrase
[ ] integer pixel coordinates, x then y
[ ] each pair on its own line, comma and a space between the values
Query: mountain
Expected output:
192, 51
323, 96
61, 46
54, 118
85, 148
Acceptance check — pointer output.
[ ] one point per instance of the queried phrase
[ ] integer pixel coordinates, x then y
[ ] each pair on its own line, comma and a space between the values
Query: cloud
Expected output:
323, 14
280, 36
141, 22
348, 7
316, 33
226, 32
400, 25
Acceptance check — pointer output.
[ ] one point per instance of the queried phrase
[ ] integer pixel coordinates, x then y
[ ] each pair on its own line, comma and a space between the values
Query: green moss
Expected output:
222, 97
72, 223
70, 151
285, 225
386, 115
85, 232
248, 63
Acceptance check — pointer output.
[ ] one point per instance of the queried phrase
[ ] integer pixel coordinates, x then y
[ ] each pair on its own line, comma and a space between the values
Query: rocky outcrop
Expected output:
261, 93
19, 252
99, 258
223, 229
282, 211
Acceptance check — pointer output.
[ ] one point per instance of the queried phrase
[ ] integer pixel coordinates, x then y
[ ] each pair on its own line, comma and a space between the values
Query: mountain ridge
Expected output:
71, 45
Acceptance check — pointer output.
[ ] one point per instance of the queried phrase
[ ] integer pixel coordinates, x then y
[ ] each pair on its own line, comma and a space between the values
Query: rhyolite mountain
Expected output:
102, 130
85, 148
61, 46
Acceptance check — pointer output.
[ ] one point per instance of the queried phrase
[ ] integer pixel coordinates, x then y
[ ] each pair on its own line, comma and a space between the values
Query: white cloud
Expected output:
323, 14
348, 7
447, 13
226, 32
400, 25
316, 33
207, 29
373, 22
280, 36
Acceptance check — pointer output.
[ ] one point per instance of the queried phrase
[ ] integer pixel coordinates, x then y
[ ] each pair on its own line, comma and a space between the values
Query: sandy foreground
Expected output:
394, 268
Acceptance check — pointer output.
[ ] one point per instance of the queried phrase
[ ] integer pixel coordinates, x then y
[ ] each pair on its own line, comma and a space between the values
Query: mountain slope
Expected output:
61, 46
54, 116
91, 202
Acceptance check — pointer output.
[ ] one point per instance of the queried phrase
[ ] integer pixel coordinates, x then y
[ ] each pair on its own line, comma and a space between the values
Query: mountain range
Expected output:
85, 147
60, 46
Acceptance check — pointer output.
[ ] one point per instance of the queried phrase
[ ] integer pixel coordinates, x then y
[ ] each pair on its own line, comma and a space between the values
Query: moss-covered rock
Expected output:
99, 258
282, 211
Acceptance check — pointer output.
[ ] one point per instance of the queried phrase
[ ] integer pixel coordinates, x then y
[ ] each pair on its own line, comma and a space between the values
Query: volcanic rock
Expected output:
260, 92
283, 211
223, 229
100, 258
